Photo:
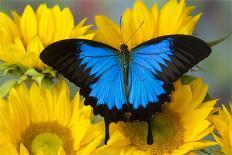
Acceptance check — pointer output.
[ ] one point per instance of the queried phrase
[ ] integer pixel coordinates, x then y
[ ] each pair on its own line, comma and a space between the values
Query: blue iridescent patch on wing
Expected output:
146, 60
104, 65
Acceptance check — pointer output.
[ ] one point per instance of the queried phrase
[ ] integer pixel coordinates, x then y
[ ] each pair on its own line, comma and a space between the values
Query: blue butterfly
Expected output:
123, 85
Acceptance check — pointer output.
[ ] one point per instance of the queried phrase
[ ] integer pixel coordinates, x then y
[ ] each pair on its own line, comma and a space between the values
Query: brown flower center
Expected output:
168, 133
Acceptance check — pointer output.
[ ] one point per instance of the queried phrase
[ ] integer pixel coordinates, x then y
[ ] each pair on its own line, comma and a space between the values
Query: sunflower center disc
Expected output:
167, 133
46, 142
48, 138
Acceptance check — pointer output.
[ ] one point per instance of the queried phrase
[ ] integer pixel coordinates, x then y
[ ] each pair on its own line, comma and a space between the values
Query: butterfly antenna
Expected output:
121, 29
135, 32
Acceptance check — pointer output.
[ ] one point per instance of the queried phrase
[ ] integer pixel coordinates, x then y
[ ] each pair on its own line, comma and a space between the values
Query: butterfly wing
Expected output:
96, 69
153, 68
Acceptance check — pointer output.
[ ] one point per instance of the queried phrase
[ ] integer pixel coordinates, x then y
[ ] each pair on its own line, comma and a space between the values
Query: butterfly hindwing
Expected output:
95, 68
155, 65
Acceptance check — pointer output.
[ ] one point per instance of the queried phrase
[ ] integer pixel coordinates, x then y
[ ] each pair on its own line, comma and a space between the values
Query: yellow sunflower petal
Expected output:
109, 32
46, 24
28, 24
223, 124
10, 27
23, 150
64, 23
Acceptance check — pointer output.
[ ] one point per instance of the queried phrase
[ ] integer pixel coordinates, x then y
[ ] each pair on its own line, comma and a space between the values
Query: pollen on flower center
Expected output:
48, 137
167, 133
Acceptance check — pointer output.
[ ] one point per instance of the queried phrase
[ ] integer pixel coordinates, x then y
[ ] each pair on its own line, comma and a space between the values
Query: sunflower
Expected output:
172, 18
39, 121
223, 124
24, 37
178, 130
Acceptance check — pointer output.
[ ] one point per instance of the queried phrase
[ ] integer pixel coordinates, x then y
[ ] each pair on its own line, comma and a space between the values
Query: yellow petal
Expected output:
61, 151
80, 30
64, 23
28, 24
90, 147
118, 139
8, 149
10, 26
108, 32
46, 24
23, 150
142, 14
181, 99
16, 17
38, 107
35, 45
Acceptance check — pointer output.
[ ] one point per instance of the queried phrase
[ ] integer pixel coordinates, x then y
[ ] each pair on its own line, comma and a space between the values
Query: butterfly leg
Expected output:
107, 134
149, 132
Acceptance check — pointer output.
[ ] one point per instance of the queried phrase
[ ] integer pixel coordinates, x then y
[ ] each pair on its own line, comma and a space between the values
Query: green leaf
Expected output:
6, 87
14, 69
208, 98
215, 42
187, 79
9, 70
48, 83
35, 75
200, 68
49, 71
23, 78
3, 65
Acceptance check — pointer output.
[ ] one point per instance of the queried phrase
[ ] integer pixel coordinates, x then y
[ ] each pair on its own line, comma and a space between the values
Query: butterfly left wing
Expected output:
96, 69
154, 66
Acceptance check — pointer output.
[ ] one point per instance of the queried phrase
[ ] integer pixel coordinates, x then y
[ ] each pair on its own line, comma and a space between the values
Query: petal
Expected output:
23, 150
35, 45
192, 146
64, 23
16, 17
142, 14
28, 24
181, 99
108, 32
90, 147
38, 105
46, 24
80, 29
61, 151
10, 27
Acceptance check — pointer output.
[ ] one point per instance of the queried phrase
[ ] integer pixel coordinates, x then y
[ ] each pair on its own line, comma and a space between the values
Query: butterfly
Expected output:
126, 85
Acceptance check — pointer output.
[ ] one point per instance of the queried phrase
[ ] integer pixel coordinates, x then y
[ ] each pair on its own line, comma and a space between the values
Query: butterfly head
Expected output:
123, 47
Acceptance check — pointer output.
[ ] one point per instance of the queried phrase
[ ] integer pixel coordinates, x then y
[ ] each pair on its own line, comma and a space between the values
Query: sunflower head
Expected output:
178, 129
39, 121
23, 37
223, 124
172, 18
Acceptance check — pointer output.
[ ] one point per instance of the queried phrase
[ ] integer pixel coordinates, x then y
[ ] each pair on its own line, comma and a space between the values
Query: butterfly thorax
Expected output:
124, 55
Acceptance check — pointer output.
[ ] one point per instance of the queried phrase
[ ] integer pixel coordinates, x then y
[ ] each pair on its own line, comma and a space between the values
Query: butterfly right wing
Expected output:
96, 69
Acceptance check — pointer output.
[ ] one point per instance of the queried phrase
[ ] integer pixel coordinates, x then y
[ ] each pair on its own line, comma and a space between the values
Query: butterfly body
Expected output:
126, 85
125, 59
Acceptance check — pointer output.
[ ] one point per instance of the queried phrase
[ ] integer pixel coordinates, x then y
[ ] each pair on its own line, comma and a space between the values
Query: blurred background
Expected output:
215, 23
